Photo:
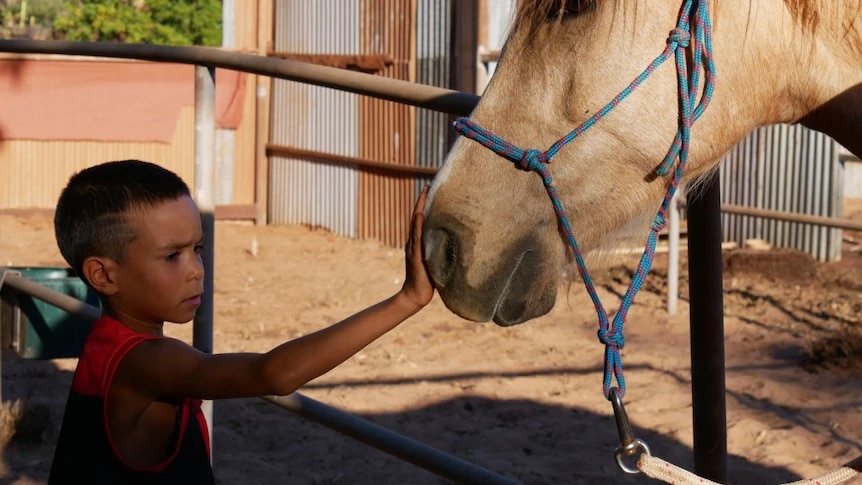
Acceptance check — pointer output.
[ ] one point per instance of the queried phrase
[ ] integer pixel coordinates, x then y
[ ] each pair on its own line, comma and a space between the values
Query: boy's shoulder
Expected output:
107, 343
108, 333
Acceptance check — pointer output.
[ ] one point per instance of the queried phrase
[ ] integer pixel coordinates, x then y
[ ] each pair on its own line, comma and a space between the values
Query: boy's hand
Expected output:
417, 286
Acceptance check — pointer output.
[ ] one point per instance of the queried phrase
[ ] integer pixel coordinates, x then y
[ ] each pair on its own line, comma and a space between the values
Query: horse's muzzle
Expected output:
516, 290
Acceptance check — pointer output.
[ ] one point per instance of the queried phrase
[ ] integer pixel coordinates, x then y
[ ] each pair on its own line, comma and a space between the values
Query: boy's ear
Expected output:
99, 272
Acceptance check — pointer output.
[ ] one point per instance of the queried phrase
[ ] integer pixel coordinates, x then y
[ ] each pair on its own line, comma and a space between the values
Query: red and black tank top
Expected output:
85, 452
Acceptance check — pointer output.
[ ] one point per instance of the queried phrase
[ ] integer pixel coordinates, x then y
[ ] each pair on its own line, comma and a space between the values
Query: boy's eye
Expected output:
199, 248
172, 256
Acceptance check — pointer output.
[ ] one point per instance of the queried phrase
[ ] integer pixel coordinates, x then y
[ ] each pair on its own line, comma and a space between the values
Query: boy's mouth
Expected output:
195, 300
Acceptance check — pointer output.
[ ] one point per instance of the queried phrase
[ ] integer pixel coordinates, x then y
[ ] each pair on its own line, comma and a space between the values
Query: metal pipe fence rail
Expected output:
429, 458
839, 223
419, 95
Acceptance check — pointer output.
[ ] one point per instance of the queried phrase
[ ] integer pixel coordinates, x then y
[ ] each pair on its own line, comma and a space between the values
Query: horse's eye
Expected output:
564, 8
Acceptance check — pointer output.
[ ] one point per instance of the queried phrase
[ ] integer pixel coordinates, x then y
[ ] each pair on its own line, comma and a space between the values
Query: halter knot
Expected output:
614, 339
532, 160
681, 37
659, 222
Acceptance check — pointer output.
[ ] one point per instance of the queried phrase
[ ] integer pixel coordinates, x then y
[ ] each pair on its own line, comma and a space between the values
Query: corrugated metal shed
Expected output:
852, 174
327, 141
316, 119
790, 169
387, 129
433, 44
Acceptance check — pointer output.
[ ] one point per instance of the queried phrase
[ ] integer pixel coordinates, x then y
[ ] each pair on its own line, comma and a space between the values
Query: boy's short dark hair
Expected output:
90, 219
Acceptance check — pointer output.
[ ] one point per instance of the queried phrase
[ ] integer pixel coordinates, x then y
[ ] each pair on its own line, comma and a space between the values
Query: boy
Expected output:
132, 232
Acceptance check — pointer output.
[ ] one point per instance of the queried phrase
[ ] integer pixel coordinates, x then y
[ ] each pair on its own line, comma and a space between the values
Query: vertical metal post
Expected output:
228, 24
482, 68
225, 137
465, 49
465, 45
707, 333
673, 256
261, 162
204, 192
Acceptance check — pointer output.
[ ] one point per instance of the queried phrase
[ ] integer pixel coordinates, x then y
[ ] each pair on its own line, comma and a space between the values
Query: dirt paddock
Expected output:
523, 401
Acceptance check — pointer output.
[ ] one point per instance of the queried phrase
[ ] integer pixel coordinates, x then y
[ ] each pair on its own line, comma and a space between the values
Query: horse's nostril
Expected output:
441, 253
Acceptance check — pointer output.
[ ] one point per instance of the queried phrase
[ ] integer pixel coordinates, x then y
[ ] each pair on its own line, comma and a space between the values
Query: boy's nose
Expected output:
197, 272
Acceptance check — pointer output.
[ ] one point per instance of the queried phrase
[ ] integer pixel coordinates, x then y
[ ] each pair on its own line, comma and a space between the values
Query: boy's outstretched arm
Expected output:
290, 365
295, 363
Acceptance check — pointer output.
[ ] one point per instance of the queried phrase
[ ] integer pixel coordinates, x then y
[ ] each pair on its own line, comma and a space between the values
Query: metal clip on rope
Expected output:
629, 445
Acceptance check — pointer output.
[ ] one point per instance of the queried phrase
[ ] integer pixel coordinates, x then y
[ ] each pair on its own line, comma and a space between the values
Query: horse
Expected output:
494, 247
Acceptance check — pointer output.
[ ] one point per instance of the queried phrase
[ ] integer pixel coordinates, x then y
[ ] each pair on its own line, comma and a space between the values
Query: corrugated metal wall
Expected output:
433, 47
852, 174
357, 200
387, 129
790, 169
315, 118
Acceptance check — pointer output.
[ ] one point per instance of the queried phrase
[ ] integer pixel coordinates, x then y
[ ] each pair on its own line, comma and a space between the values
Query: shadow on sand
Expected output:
256, 441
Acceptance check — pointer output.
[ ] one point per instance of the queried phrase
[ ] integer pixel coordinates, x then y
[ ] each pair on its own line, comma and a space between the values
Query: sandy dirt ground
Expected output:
524, 402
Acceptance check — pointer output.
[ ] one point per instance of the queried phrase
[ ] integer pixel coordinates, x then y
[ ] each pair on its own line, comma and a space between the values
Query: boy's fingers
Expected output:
420, 202
419, 213
418, 218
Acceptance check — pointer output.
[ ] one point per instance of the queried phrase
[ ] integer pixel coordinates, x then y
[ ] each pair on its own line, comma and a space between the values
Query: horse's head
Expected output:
493, 243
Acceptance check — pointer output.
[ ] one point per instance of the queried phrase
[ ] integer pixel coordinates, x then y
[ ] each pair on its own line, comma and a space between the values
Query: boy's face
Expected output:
161, 276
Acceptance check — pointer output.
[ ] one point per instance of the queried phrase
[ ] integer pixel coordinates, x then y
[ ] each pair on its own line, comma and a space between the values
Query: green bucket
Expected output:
39, 330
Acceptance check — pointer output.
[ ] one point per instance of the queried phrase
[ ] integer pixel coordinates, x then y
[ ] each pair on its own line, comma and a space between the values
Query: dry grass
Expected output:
842, 349
10, 415
23, 423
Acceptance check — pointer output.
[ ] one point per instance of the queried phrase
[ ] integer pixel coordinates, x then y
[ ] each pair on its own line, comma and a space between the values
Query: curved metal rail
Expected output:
419, 95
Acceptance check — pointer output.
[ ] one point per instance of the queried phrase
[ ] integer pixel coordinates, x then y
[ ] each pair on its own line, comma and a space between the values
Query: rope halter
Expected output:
693, 29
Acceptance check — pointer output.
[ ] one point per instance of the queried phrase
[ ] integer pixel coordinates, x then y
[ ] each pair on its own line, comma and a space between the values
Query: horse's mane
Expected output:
805, 12
529, 13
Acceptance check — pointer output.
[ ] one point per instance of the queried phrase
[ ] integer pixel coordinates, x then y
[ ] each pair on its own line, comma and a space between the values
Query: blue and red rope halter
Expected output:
693, 28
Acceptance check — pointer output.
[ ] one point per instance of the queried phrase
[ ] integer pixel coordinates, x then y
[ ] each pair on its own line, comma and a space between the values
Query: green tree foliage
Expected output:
169, 22
29, 12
